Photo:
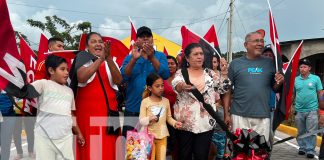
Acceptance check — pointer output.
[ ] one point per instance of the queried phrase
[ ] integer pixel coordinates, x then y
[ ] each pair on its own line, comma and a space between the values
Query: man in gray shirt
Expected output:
253, 76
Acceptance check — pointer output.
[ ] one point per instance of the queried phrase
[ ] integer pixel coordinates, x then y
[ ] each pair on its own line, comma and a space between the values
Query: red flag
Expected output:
275, 42
133, 35
117, 49
290, 75
40, 72
43, 46
273, 32
29, 59
12, 70
165, 51
82, 43
211, 36
69, 55
190, 37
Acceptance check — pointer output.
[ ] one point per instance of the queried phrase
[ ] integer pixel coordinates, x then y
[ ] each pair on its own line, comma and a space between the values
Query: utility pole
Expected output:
228, 40
230, 27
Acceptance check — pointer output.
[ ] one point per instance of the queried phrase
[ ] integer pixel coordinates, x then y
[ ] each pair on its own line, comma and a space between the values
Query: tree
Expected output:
17, 34
239, 54
58, 27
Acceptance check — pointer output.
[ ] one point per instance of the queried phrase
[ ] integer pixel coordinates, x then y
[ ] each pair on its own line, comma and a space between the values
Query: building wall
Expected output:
313, 49
310, 47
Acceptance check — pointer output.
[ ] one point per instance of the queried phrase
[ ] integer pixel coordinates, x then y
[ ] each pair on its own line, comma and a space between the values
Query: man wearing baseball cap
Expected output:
142, 61
307, 89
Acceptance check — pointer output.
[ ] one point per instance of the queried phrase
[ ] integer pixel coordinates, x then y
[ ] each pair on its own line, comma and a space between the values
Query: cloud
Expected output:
115, 29
19, 23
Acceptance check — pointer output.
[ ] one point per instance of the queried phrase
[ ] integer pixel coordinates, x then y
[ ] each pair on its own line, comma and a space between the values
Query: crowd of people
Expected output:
159, 96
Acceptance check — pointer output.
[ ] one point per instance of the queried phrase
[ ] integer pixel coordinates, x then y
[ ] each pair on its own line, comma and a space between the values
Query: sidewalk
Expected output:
291, 131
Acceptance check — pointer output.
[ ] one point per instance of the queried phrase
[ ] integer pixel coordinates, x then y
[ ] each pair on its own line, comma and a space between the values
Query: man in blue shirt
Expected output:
141, 62
307, 89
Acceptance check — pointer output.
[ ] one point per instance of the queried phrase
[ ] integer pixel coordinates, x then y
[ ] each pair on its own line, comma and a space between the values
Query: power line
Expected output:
220, 7
261, 12
196, 20
104, 14
219, 30
168, 27
237, 39
202, 20
237, 12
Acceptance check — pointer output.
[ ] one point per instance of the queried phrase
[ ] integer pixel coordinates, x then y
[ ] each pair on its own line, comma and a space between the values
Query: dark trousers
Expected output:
29, 123
130, 121
193, 146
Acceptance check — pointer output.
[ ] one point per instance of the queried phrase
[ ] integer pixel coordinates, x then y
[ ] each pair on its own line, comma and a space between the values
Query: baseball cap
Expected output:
305, 62
143, 30
262, 32
267, 48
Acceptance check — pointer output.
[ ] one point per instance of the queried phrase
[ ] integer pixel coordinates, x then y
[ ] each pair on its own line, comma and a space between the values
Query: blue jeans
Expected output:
6, 131
307, 122
219, 139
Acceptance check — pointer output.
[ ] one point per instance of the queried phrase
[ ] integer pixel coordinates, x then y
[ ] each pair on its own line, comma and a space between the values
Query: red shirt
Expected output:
169, 94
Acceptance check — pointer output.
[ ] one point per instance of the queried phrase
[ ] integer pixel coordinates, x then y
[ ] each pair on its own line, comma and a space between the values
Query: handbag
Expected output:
139, 144
113, 126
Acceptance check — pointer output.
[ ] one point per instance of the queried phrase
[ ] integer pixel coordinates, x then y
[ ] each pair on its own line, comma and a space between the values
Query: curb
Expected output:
291, 131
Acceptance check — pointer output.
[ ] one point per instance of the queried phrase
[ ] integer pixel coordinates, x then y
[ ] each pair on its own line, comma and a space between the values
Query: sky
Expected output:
295, 19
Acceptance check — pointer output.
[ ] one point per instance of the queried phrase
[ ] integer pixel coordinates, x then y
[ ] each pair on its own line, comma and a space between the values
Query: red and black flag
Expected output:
12, 68
211, 37
117, 48
190, 37
282, 111
290, 75
275, 41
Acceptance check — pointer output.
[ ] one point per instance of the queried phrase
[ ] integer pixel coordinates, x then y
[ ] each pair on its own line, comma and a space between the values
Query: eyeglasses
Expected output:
257, 41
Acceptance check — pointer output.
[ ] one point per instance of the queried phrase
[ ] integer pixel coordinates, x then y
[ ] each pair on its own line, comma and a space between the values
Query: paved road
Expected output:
287, 150
284, 151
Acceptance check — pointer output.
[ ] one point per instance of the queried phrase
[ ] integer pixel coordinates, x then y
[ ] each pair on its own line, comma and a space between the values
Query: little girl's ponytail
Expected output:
146, 93
150, 79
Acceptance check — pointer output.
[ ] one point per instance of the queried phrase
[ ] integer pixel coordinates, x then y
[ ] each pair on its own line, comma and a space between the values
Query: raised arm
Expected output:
84, 73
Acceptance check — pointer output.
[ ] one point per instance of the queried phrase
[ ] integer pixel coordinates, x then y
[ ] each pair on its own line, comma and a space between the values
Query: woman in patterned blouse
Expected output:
197, 125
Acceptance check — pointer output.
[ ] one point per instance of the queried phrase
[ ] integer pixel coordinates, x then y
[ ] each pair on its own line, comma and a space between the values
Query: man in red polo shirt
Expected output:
54, 44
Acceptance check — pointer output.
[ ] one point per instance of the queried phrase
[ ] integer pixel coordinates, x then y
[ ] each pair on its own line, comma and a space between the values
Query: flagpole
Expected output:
131, 21
230, 51
274, 38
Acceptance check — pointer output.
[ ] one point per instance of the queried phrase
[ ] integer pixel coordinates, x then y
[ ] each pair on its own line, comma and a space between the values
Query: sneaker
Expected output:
309, 155
301, 152
19, 156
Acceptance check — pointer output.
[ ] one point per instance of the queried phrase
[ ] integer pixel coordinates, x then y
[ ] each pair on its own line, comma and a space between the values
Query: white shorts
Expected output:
260, 125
